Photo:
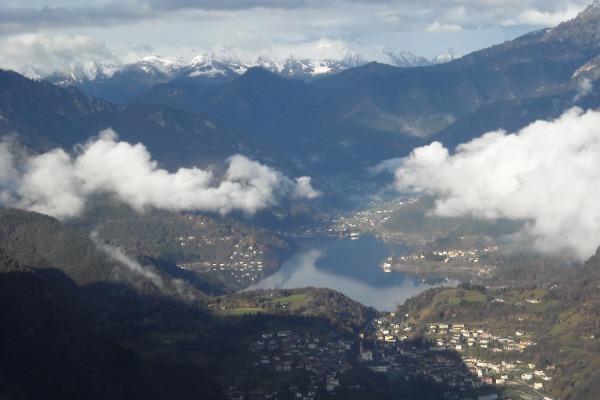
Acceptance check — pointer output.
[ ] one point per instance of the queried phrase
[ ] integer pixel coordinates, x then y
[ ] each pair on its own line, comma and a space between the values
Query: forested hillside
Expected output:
560, 319
50, 351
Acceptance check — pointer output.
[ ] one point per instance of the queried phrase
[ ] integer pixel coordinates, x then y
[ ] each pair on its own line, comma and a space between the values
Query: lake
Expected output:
351, 267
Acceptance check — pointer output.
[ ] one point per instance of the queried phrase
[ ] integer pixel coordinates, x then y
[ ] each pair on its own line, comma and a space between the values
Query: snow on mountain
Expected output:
316, 58
88, 71
31, 72
156, 64
350, 54
295, 60
444, 57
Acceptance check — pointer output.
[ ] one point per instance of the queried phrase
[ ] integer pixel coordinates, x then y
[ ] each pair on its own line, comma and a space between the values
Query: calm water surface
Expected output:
351, 267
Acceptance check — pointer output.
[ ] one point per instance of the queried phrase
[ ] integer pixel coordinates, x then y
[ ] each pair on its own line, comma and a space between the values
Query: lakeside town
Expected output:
321, 361
458, 357
241, 268
478, 348
325, 365
450, 264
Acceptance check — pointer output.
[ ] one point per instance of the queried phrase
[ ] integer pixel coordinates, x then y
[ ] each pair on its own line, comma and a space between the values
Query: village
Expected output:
451, 255
420, 363
325, 364
476, 347
369, 221
241, 268
320, 361
450, 264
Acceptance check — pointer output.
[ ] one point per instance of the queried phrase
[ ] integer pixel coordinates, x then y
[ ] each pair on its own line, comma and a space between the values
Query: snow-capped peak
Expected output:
93, 70
444, 57
296, 60
165, 65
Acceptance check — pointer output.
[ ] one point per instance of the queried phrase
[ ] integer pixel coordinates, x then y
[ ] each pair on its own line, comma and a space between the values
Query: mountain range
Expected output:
304, 61
342, 123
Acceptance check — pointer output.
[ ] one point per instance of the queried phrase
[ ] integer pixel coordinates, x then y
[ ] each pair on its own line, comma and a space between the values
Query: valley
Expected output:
313, 342
303, 228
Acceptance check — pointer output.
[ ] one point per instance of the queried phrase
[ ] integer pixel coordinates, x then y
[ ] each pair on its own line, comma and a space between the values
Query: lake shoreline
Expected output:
351, 266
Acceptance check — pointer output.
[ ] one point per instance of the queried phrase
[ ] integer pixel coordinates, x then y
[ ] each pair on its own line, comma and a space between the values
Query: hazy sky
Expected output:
52, 34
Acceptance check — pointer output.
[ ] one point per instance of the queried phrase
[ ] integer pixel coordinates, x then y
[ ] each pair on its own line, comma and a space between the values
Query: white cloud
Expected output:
547, 174
8, 173
53, 52
438, 27
59, 184
390, 166
548, 18
304, 189
50, 185
584, 87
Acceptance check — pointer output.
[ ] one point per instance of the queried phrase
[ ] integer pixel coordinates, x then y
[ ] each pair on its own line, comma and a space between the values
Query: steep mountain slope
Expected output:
43, 242
55, 249
291, 116
246, 104
363, 115
49, 351
511, 115
44, 116
582, 34
558, 320
391, 105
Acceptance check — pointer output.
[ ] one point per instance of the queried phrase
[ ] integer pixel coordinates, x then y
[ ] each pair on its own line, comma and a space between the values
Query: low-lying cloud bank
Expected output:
59, 184
548, 174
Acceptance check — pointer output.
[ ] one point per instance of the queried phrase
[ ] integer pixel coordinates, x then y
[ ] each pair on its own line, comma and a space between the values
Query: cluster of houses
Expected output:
385, 348
391, 352
471, 255
505, 372
372, 218
244, 266
322, 362
369, 220
421, 364
438, 358
461, 338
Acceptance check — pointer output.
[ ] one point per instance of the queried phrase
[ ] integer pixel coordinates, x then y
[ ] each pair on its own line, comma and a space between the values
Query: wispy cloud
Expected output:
438, 27
118, 254
59, 184
169, 286
546, 174
584, 88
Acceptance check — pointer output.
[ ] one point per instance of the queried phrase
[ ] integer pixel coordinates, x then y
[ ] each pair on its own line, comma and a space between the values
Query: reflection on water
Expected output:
350, 267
